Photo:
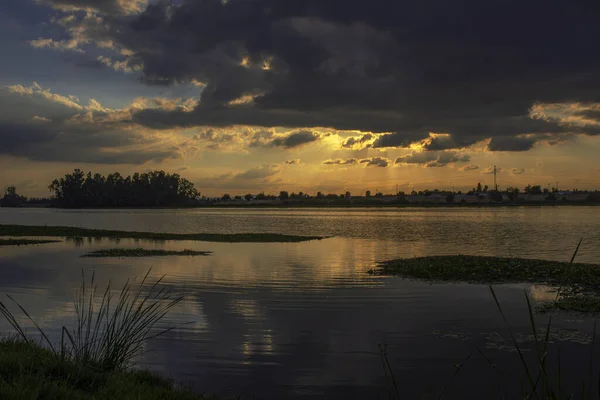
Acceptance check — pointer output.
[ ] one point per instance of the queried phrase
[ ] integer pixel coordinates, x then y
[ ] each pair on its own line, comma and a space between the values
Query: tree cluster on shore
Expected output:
11, 198
151, 189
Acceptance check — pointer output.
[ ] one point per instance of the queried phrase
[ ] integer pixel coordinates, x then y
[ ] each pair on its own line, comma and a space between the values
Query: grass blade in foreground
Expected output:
103, 337
544, 383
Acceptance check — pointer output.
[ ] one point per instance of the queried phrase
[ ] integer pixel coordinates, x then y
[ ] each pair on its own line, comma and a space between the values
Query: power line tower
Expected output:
495, 180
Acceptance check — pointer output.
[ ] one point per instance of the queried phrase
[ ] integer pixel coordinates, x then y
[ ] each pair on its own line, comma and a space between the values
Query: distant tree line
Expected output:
480, 190
161, 189
156, 188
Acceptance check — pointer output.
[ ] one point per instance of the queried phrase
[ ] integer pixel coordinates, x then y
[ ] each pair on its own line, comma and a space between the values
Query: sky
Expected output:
302, 95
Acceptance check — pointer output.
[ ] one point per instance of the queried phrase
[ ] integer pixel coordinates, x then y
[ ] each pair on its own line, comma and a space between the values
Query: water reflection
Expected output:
542, 293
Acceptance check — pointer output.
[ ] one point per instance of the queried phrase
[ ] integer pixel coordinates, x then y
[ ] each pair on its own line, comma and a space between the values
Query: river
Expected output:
298, 320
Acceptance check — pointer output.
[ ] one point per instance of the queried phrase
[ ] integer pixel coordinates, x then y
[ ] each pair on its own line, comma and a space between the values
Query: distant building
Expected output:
528, 197
475, 198
422, 199
576, 197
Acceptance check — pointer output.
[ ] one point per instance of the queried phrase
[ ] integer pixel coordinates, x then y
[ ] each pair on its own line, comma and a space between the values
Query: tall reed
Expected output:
109, 335
541, 385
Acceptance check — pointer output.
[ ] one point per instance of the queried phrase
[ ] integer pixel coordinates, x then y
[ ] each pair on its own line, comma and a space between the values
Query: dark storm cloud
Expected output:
295, 161
351, 141
51, 143
450, 142
433, 158
472, 71
470, 167
214, 136
511, 143
375, 162
43, 126
349, 161
369, 162
517, 171
400, 139
295, 139
105, 6
590, 114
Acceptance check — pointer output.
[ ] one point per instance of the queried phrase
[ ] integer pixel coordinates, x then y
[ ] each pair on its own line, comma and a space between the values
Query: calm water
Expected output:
295, 320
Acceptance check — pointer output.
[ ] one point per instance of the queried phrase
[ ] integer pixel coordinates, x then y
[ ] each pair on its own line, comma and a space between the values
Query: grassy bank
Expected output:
24, 242
580, 282
144, 253
29, 371
94, 357
67, 231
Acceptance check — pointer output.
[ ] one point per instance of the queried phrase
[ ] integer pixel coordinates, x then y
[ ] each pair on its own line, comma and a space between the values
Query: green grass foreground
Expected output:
580, 282
24, 242
29, 371
144, 253
67, 231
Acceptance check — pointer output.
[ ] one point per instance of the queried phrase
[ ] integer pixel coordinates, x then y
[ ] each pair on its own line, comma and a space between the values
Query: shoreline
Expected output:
329, 206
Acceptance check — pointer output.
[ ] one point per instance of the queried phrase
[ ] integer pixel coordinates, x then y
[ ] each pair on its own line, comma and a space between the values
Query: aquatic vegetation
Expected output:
491, 270
579, 283
24, 242
144, 253
66, 231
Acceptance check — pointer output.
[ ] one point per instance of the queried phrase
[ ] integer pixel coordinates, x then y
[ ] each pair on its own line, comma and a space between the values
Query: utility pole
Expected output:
495, 181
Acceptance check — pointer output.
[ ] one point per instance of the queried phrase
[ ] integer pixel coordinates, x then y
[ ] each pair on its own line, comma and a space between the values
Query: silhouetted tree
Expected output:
320, 195
368, 193
537, 189
450, 198
283, 195
11, 198
226, 197
512, 193
478, 188
248, 197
